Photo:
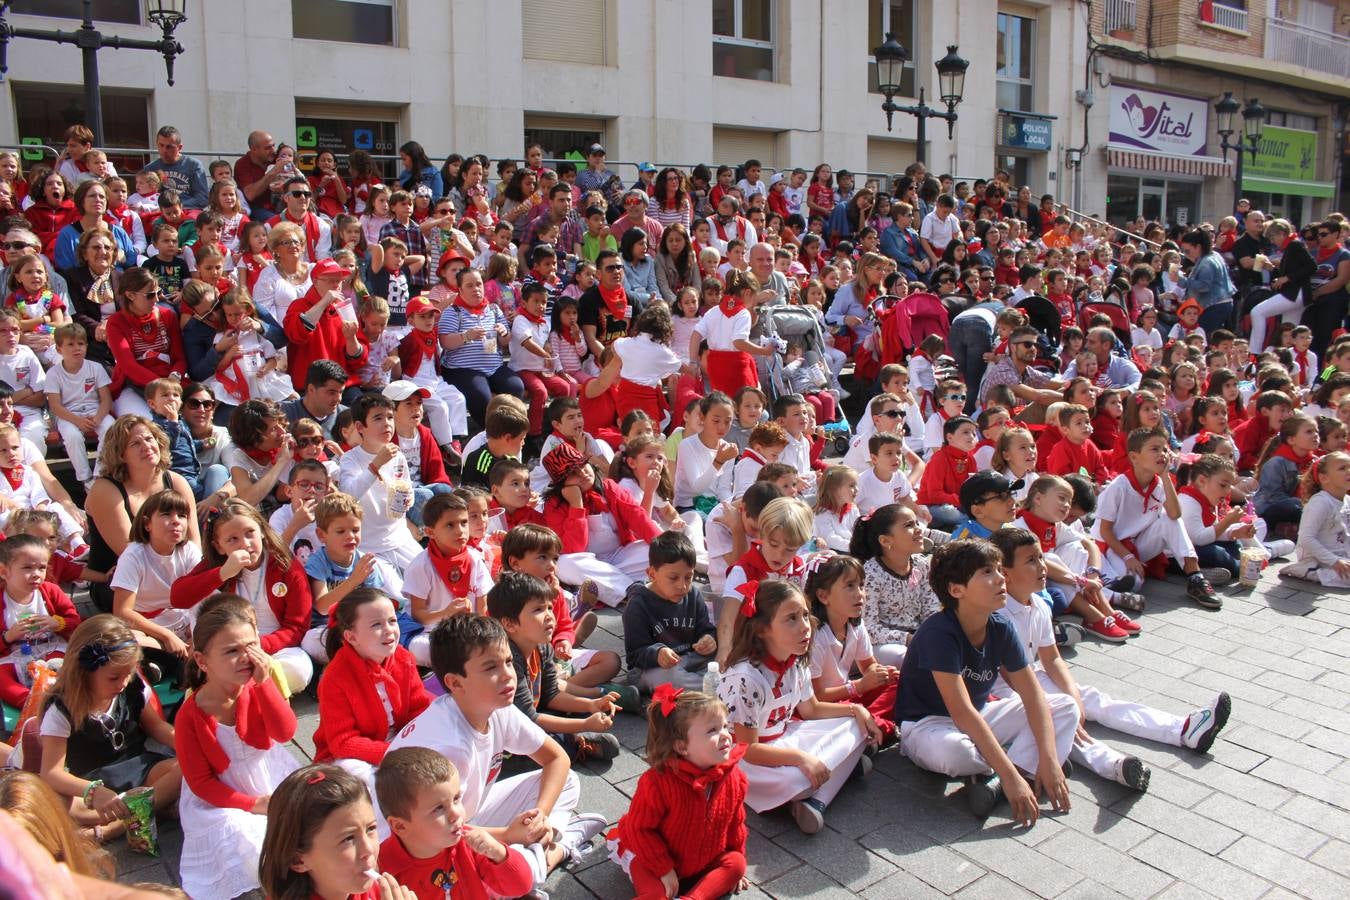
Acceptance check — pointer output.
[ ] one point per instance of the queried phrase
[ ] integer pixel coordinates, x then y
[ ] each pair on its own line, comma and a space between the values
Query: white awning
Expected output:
1203, 166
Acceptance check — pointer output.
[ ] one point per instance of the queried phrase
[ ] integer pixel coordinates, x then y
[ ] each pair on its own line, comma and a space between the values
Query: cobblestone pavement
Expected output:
1267, 814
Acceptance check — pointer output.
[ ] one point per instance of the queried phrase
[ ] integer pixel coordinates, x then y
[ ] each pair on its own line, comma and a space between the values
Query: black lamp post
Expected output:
891, 57
1253, 123
167, 14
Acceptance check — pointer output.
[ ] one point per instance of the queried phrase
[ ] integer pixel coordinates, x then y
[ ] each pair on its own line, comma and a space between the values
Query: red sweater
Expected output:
352, 720
683, 818
324, 340
1251, 437
262, 718
56, 603
48, 222
473, 875
136, 354
942, 478
287, 594
573, 527
565, 629
1069, 458
429, 458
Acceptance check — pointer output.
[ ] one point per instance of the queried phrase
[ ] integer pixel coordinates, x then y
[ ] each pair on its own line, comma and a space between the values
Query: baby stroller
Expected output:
1044, 317
907, 323
1120, 319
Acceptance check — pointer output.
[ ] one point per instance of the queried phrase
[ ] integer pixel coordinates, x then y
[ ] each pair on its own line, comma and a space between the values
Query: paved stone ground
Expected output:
1267, 814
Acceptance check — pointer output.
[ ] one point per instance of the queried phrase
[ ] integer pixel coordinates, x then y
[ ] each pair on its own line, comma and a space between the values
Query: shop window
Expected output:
342, 134
885, 17
564, 138
1171, 202
44, 113
125, 11
348, 21
1013, 67
743, 39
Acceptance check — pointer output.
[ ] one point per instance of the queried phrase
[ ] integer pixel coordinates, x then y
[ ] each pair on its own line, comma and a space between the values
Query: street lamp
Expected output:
891, 57
1253, 123
167, 14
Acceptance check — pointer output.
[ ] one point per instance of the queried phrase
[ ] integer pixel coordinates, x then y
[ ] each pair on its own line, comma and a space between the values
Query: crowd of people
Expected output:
393, 443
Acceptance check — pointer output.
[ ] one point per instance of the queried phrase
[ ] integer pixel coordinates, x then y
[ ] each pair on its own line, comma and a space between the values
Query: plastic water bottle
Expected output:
712, 677
25, 657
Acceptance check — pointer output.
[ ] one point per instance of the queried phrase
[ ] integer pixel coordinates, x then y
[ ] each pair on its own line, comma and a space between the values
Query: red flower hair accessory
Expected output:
665, 696
748, 591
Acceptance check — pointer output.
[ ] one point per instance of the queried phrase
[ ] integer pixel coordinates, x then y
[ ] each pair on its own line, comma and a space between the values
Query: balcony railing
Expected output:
1322, 51
1213, 12
1120, 15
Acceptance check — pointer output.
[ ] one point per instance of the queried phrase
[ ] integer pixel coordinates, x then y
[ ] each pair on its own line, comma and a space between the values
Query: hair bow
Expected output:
1188, 459
748, 591
315, 777
816, 560
665, 696
95, 656
1139, 399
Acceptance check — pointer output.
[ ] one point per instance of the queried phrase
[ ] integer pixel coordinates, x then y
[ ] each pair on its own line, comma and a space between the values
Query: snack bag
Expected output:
142, 830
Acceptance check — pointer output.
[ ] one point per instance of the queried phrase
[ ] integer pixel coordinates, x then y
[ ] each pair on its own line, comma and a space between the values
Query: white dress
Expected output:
221, 846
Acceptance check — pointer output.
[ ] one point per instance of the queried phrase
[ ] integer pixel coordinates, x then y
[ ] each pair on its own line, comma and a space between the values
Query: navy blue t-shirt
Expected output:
941, 646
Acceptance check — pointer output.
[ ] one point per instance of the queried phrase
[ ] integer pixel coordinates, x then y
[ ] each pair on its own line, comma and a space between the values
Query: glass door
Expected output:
1151, 195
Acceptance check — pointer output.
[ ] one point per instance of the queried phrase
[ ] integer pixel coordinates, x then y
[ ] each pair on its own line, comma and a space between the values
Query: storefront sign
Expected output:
1158, 122
1026, 133
1287, 153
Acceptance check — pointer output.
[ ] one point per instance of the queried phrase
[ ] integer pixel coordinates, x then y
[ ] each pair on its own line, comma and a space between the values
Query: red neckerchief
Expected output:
262, 457
476, 310
1146, 492
427, 342
14, 476
1302, 462
844, 511
756, 567
594, 503
1324, 254
1208, 511
703, 779
1044, 531
779, 668
616, 301
1303, 364
747, 453
529, 316
454, 569
959, 458
730, 305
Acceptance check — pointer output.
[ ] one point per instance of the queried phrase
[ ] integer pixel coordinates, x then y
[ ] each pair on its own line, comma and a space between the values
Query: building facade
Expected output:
790, 82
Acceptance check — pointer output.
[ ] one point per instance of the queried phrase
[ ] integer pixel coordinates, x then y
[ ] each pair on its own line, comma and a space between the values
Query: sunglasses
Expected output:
309, 441
16, 245
890, 413
198, 403
1320, 234
301, 194
961, 397
1000, 495
613, 268
1024, 343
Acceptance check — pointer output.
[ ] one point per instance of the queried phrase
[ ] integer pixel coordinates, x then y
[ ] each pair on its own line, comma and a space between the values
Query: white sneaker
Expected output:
579, 833
1277, 549
1203, 725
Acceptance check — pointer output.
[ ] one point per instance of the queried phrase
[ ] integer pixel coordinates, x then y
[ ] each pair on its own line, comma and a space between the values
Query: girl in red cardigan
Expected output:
244, 556
947, 470
231, 737
684, 832
355, 718
604, 531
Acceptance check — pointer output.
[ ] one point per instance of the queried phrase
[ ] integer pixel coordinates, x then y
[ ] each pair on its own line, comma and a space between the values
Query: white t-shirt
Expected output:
940, 231
1034, 628
306, 540
21, 369
717, 538
646, 362
421, 579
383, 529
873, 493
695, 475
831, 661
722, 331
143, 571
78, 391
476, 756
1120, 504
522, 328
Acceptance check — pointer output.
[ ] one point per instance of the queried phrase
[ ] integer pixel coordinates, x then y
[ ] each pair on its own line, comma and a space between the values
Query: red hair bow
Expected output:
665, 696
748, 591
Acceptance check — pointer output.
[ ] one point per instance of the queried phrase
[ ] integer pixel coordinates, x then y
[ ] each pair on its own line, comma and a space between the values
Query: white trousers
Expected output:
838, 743
509, 798
936, 744
33, 426
313, 644
889, 654
612, 572
1074, 557
677, 675
296, 666
76, 449
1162, 535
1310, 570
447, 413
130, 403
1274, 305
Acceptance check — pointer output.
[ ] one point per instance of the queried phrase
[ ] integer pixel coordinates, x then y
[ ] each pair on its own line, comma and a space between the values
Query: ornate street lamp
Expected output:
891, 57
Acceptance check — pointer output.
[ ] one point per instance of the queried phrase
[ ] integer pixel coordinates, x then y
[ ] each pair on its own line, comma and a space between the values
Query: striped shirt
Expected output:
457, 320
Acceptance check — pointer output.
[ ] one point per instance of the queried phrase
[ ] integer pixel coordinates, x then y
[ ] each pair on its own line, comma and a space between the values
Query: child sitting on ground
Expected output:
784, 526
37, 613
668, 634
765, 444
1323, 541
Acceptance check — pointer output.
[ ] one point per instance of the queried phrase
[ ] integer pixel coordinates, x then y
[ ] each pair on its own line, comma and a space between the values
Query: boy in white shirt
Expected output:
884, 416
792, 412
21, 370
566, 423
766, 443
939, 228
475, 724
752, 184
882, 483
79, 396
376, 473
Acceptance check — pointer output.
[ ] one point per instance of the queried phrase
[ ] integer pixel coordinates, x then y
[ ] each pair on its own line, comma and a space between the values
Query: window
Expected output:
1291, 120
1016, 47
1165, 200
574, 31
743, 39
563, 137
125, 11
348, 21
343, 128
44, 113
897, 17
734, 146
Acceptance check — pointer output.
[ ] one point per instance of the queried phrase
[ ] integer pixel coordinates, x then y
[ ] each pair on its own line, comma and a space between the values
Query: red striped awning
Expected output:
1203, 166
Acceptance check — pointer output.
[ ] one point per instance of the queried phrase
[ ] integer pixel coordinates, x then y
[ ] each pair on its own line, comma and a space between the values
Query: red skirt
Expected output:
630, 395
731, 370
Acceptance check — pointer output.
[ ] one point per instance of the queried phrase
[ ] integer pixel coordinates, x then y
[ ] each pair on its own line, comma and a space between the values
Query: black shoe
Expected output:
596, 745
1202, 592
983, 794
1134, 774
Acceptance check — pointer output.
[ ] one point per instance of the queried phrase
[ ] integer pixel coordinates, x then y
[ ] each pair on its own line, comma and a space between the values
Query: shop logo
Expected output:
1148, 121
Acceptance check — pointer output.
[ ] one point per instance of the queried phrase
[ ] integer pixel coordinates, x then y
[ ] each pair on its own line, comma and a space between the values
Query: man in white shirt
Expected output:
940, 227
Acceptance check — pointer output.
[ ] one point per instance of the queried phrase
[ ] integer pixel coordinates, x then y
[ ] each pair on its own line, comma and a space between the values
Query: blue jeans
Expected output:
208, 481
421, 494
1220, 555
478, 388
1216, 316
968, 341
1290, 509
945, 517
